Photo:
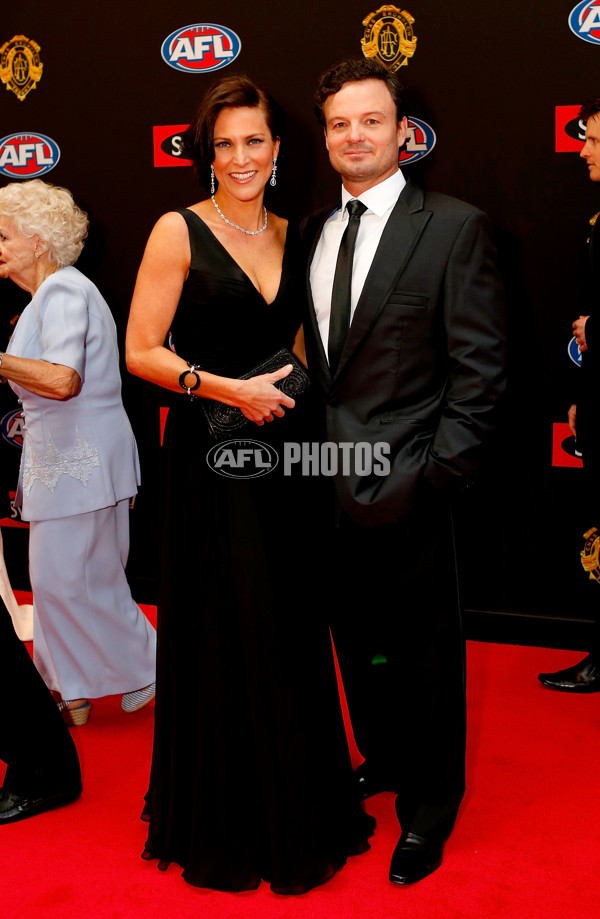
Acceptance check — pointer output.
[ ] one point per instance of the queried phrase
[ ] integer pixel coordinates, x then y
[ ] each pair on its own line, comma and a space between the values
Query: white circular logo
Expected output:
242, 459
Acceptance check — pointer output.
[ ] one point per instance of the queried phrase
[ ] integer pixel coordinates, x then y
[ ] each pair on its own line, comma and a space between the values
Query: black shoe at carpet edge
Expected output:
369, 784
415, 858
581, 677
18, 807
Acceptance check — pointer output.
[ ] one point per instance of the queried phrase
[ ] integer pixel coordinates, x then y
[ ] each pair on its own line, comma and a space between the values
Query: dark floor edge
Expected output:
527, 629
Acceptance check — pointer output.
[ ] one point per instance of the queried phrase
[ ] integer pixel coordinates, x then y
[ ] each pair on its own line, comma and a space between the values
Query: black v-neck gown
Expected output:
251, 777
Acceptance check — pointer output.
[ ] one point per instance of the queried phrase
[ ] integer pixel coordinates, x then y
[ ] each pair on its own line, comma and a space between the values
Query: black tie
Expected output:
339, 320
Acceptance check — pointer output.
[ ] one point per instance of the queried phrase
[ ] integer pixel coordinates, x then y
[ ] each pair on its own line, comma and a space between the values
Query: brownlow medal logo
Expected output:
389, 37
591, 553
20, 65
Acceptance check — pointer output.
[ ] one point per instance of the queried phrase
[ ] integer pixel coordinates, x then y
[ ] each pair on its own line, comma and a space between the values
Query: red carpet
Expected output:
527, 843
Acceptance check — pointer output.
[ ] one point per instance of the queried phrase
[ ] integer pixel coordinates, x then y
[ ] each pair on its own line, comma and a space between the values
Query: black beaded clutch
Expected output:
225, 421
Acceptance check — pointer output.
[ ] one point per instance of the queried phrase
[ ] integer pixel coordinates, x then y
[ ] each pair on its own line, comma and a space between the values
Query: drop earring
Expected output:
212, 179
274, 173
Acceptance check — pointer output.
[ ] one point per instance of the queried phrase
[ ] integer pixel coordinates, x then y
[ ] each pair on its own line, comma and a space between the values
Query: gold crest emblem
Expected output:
590, 554
20, 65
389, 37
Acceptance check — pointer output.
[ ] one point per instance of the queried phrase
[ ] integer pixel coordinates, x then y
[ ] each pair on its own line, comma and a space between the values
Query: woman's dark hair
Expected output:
236, 91
353, 71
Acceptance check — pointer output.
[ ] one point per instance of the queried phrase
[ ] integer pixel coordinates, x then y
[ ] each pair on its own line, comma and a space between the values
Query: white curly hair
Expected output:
48, 211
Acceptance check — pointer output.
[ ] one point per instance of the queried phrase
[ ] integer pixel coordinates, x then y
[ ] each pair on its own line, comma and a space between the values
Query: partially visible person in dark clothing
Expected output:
584, 420
42, 763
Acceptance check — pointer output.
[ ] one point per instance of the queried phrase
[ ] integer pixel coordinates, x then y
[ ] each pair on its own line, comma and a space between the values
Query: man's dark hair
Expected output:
589, 109
353, 71
236, 91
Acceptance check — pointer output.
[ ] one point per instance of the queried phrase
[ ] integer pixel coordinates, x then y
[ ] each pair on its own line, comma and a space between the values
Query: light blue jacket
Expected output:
80, 454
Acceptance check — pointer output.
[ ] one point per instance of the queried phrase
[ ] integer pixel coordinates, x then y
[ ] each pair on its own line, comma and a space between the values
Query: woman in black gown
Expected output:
251, 777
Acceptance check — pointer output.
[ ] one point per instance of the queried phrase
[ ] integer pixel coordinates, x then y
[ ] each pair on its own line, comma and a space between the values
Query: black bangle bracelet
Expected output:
190, 389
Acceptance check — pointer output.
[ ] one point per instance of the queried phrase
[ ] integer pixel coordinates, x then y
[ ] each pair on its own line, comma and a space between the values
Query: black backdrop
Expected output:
487, 78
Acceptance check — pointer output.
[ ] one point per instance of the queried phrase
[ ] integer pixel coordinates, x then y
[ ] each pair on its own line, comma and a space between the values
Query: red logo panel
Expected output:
568, 129
563, 444
168, 139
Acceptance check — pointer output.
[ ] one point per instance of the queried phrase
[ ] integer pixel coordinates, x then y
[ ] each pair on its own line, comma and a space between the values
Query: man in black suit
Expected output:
584, 677
42, 764
415, 376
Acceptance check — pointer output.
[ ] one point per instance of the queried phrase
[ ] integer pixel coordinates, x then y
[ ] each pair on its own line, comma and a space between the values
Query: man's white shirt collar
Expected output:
379, 198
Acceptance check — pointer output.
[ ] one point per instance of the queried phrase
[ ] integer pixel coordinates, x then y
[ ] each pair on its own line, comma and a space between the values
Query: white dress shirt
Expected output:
379, 200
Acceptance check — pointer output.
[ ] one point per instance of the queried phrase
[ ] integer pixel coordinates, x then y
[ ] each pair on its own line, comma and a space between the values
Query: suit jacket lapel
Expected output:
400, 236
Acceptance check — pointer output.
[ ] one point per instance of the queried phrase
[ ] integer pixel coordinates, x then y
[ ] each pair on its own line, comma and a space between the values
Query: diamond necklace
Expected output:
247, 232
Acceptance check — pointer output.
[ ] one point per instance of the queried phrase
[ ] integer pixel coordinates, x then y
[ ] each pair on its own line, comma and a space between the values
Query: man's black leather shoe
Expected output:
582, 677
18, 807
414, 858
368, 784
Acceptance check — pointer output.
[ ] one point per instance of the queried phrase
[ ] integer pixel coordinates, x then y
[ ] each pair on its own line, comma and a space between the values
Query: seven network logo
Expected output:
200, 48
26, 156
584, 21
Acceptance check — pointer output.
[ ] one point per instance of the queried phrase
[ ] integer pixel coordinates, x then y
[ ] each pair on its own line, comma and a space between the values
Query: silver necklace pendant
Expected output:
241, 229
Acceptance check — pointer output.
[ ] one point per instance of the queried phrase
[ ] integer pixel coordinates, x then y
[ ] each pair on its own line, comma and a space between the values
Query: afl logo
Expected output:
242, 459
25, 156
420, 140
201, 48
574, 352
11, 428
584, 21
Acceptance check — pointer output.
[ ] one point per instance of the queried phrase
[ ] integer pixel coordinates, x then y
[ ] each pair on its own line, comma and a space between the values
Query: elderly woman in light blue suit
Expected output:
80, 465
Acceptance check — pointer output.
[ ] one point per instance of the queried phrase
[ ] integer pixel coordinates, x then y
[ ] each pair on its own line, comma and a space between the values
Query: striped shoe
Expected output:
133, 701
